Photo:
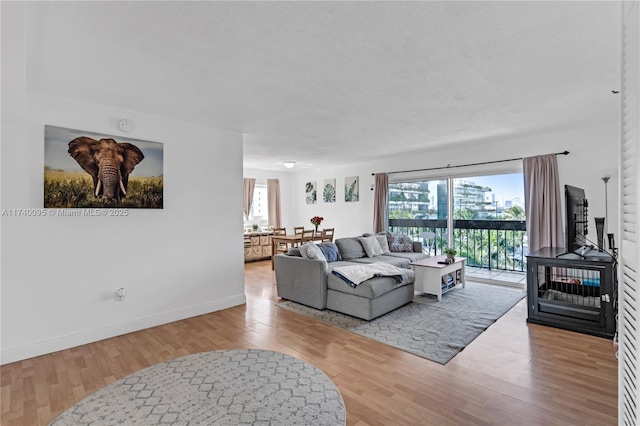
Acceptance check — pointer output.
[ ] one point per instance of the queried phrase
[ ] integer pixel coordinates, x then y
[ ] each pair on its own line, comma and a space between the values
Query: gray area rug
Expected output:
231, 387
425, 327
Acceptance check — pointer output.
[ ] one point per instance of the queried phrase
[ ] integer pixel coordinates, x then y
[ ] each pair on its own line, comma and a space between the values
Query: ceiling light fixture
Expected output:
289, 164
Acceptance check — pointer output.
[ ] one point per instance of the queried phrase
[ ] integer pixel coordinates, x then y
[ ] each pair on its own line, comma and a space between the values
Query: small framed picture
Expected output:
311, 192
329, 191
351, 190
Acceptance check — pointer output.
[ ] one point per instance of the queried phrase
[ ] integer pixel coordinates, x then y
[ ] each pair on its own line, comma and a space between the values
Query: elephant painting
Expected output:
108, 162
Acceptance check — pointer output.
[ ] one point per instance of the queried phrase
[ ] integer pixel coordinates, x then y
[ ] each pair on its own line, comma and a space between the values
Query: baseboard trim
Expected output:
496, 282
73, 340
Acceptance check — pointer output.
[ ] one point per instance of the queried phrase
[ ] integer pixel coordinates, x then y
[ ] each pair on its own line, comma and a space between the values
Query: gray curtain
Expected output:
247, 199
542, 202
273, 196
380, 203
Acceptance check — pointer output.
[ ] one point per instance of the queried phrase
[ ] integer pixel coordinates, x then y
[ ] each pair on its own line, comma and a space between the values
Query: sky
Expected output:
56, 144
505, 187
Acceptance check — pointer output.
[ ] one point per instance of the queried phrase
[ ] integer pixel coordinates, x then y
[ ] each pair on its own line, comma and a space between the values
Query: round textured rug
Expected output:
230, 387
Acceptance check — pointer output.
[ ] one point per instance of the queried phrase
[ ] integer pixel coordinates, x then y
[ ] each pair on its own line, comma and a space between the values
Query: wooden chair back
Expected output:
327, 235
298, 230
307, 235
280, 247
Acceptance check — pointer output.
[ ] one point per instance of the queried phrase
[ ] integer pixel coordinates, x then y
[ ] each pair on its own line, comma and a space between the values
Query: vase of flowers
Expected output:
316, 221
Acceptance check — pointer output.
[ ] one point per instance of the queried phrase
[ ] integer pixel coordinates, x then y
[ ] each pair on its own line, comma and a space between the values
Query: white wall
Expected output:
348, 219
593, 155
59, 274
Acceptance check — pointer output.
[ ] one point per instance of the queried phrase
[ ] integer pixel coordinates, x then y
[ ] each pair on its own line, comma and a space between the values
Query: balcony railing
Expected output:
489, 244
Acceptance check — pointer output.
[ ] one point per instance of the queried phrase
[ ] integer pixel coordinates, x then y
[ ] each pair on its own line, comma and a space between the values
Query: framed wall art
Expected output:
310, 192
351, 189
88, 170
329, 191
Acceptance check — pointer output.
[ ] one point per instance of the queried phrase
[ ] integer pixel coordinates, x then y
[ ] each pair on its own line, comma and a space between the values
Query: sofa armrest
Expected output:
417, 246
301, 280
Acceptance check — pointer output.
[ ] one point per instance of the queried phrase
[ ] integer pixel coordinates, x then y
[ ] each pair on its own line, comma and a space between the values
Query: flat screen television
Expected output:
576, 207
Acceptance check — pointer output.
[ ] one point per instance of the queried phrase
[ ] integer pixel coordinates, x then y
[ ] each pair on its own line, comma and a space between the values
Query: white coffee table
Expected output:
429, 274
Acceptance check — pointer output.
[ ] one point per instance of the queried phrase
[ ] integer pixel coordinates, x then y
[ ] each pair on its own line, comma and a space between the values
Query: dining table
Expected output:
291, 240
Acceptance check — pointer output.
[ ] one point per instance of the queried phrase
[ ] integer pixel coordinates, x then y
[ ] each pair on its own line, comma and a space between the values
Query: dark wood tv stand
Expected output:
569, 292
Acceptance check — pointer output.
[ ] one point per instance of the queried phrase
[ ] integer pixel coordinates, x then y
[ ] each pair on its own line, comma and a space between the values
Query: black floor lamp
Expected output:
612, 245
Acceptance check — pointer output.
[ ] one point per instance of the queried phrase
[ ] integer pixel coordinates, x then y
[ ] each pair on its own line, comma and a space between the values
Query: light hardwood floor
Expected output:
513, 374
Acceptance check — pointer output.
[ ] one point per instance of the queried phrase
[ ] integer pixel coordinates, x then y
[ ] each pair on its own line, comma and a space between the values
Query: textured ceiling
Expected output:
325, 83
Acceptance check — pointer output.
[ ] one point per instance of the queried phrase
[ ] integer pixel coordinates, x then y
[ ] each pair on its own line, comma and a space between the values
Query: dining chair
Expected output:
297, 230
327, 235
281, 247
428, 242
307, 235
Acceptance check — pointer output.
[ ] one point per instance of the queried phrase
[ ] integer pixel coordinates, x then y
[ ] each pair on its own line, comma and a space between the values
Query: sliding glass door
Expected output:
489, 227
481, 216
420, 209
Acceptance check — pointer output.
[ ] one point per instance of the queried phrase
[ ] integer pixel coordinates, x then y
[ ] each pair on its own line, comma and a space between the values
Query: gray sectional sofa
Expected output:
311, 282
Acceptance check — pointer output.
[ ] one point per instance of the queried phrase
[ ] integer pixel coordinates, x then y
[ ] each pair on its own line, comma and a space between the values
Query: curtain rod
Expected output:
448, 166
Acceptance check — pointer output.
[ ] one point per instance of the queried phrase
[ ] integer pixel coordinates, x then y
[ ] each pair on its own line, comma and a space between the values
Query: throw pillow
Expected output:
371, 246
294, 251
303, 249
385, 233
350, 248
384, 243
313, 252
400, 243
330, 251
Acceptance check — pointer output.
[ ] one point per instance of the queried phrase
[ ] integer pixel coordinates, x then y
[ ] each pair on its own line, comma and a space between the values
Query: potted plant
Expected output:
255, 226
450, 252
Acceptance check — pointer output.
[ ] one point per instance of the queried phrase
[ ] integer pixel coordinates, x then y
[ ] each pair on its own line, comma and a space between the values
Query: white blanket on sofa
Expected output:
356, 274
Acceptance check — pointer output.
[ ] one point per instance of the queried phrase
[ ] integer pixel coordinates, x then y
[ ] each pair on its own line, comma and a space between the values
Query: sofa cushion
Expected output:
371, 288
294, 251
383, 241
330, 251
350, 248
371, 246
338, 264
313, 251
411, 256
303, 250
400, 262
400, 243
